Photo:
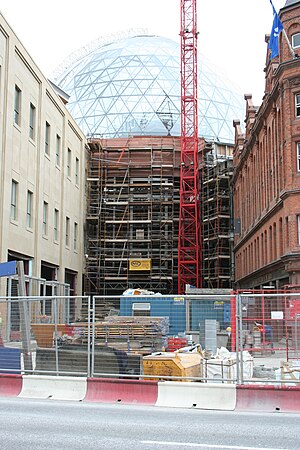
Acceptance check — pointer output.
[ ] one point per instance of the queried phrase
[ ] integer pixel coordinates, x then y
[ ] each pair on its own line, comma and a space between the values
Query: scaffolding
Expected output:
217, 219
132, 215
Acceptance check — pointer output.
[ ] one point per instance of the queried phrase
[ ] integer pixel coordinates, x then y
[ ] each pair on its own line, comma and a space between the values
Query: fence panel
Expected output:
139, 336
268, 328
38, 337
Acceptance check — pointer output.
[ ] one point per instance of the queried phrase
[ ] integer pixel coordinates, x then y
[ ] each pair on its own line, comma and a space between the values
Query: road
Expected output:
48, 424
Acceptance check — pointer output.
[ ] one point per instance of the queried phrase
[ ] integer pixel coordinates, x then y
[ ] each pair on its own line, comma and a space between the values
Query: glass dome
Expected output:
132, 87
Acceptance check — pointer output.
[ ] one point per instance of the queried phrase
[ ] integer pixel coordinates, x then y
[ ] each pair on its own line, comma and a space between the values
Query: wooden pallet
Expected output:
143, 334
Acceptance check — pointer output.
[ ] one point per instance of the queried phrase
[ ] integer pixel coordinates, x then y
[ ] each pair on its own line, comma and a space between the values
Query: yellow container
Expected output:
175, 364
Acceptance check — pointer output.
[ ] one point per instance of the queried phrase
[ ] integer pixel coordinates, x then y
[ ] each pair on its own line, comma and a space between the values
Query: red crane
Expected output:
189, 238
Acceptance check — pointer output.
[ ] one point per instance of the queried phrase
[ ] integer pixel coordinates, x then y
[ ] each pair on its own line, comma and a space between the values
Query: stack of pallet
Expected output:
138, 334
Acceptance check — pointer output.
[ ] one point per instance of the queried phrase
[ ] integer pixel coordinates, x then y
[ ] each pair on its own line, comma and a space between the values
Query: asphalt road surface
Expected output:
48, 424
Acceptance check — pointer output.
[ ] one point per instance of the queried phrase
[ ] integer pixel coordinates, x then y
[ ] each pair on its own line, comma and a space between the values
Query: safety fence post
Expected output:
92, 310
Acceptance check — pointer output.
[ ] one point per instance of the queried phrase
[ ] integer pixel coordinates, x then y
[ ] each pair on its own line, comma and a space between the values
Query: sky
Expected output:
231, 33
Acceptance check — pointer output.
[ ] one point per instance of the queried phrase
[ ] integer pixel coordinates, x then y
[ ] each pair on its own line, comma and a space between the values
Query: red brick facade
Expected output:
266, 182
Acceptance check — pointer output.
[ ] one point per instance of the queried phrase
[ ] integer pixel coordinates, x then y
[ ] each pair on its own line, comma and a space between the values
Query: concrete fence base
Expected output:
210, 396
111, 390
196, 395
268, 398
56, 388
10, 385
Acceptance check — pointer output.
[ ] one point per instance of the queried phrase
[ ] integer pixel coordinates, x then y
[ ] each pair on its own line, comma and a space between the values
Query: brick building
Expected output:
266, 181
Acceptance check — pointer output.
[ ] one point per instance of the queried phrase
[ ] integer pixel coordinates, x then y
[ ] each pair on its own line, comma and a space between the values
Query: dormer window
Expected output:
296, 40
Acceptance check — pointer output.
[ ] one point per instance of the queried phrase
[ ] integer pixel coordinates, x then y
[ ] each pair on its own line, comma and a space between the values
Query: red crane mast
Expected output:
189, 239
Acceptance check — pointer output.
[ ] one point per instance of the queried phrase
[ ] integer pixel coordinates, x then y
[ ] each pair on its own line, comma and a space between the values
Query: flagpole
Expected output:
289, 44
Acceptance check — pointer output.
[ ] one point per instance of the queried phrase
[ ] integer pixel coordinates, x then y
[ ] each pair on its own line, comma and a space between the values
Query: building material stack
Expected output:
133, 334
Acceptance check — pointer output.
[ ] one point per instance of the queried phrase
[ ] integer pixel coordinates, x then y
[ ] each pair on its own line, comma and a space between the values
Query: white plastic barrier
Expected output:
56, 388
196, 395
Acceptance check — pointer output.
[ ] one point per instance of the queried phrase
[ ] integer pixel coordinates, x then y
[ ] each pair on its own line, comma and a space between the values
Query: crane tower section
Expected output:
189, 240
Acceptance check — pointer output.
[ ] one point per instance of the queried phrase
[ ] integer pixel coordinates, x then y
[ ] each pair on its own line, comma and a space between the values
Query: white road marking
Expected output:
226, 447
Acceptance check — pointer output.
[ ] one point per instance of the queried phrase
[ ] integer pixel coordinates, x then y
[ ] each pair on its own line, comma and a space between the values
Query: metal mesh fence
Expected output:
268, 327
38, 337
242, 337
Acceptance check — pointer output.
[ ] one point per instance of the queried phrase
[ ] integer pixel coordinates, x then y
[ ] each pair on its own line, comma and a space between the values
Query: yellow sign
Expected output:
140, 264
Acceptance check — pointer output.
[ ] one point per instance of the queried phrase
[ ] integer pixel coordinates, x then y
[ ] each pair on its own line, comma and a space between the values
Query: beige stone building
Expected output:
42, 168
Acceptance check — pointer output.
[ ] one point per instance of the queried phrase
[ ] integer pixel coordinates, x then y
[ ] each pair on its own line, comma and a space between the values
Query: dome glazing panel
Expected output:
132, 87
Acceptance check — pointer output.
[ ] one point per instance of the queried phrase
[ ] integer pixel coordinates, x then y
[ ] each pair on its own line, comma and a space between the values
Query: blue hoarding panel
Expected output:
10, 360
8, 268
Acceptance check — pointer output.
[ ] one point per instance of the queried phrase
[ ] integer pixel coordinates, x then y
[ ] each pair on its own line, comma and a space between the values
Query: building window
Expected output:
77, 171
32, 121
29, 209
17, 106
75, 235
56, 224
45, 219
13, 200
47, 139
298, 156
69, 159
297, 104
57, 150
67, 231
296, 40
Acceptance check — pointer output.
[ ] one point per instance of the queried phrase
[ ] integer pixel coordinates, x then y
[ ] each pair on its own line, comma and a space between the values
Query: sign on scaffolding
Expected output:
139, 264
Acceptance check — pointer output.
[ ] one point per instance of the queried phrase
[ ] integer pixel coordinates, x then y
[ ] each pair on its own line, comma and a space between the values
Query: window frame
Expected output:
45, 218
293, 40
69, 162
67, 235
47, 138
56, 225
29, 209
14, 200
298, 155
32, 120
77, 171
75, 237
57, 150
297, 104
17, 105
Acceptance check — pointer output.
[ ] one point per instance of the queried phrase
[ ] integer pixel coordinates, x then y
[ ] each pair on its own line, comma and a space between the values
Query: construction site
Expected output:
132, 219
217, 217
133, 199
161, 234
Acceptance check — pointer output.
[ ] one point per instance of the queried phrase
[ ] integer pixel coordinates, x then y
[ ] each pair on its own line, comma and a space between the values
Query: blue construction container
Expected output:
157, 306
175, 309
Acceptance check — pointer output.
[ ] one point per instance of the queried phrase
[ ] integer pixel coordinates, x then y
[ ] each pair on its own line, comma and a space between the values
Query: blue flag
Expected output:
276, 28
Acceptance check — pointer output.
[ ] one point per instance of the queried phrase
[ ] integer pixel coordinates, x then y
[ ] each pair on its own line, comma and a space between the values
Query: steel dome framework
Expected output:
132, 87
